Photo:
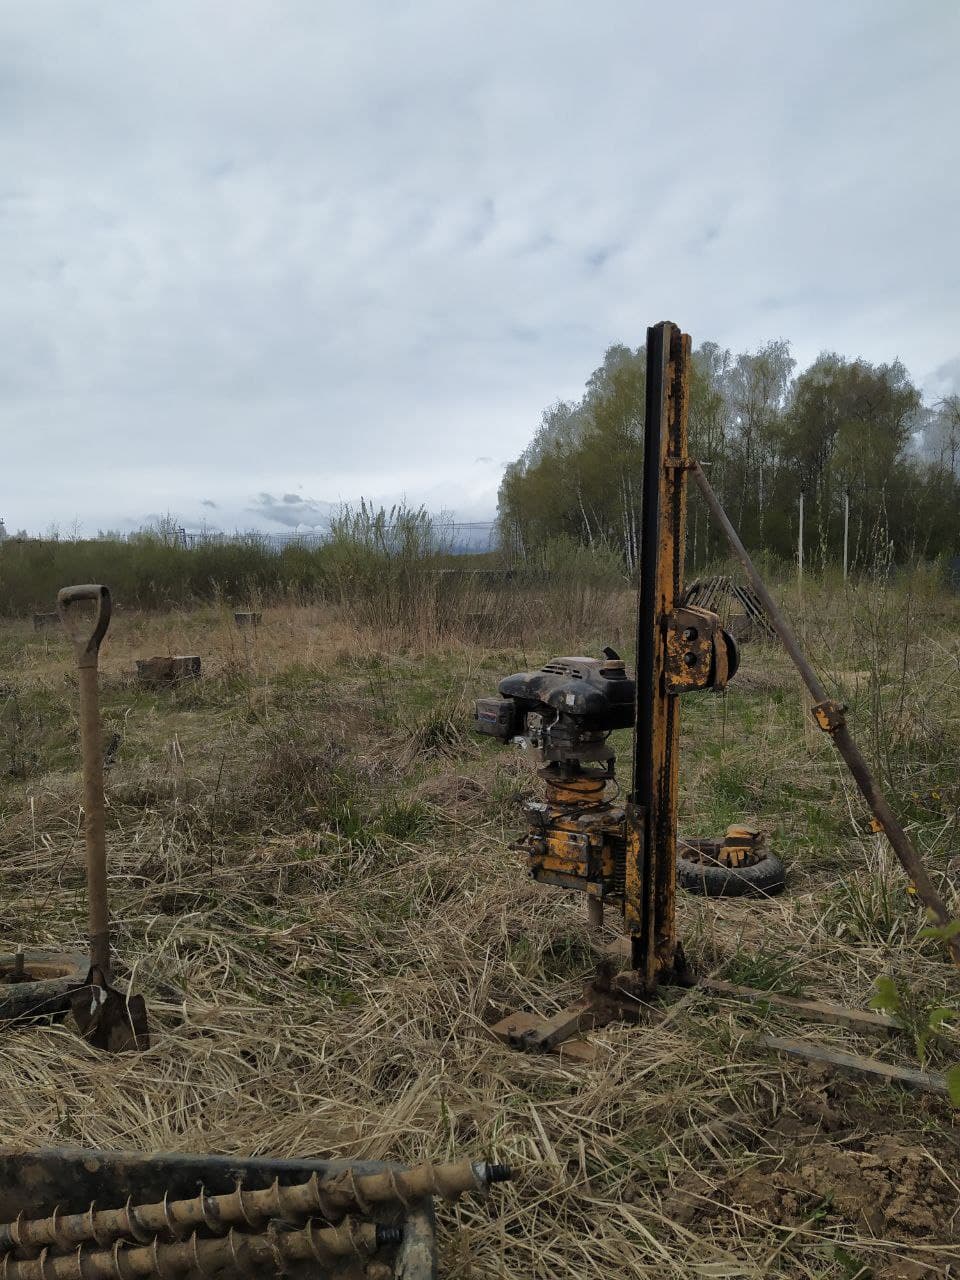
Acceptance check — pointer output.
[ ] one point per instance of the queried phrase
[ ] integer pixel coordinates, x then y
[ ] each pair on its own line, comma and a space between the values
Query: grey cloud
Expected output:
597, 258
292, 510
352, 244
945, 379
207, 502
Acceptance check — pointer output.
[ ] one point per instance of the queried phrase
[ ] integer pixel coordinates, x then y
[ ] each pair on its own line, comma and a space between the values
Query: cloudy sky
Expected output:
262, 255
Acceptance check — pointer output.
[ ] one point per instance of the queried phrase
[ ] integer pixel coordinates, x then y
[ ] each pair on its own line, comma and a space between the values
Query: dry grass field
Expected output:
314, 887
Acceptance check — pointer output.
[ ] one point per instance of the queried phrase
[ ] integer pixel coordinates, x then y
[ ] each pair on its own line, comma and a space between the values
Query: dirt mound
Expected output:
887, 1186
450, 789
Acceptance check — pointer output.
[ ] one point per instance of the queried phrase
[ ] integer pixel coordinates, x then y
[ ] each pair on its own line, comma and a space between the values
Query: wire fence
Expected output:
453, 536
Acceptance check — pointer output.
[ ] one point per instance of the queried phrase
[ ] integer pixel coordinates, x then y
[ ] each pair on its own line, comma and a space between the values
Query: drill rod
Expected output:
330, 1198
248, 1255
852, 756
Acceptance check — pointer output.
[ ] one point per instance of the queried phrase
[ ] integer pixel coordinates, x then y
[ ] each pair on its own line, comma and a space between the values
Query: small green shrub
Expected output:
405, 820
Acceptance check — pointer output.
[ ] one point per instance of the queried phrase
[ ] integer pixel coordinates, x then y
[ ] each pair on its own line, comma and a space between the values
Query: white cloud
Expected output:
276, 247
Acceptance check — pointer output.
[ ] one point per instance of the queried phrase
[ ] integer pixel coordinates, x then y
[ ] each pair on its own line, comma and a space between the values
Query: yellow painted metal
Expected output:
697, 654
650, 900
578, 840
585, 789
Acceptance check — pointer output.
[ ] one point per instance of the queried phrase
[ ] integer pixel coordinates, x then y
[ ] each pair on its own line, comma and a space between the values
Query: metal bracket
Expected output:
607, 997
830, 715
699, 653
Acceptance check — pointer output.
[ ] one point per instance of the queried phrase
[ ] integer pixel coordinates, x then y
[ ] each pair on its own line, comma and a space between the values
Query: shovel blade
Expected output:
109, 1020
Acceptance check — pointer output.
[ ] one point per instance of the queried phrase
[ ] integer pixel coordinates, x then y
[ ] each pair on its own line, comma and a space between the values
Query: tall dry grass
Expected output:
314, 886
397, 565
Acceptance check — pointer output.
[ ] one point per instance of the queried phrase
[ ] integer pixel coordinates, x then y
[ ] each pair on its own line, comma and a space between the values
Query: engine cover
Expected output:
595, 692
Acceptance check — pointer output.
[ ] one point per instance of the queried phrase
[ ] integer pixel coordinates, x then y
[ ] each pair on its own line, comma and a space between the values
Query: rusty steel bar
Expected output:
829, 715
331, 1198
244, 1254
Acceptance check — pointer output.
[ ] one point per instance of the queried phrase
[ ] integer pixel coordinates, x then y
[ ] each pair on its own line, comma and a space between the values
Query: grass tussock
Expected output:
313, 884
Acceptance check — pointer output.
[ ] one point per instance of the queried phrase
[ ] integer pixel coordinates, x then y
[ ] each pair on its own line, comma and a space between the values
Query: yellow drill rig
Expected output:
580, 836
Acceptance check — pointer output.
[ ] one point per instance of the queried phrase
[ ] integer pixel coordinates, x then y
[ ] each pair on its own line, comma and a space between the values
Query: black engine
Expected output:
565, 710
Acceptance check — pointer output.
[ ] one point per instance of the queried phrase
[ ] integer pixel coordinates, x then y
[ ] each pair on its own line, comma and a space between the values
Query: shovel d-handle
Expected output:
87, 636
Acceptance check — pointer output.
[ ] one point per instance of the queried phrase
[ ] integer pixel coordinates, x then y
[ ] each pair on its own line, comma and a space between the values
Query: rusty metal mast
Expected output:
650, 898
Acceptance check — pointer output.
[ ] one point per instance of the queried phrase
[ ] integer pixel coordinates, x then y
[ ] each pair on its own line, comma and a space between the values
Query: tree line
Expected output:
855, 439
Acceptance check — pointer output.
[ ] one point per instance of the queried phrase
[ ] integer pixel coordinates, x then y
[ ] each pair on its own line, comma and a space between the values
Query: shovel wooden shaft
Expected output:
87, 629
94, 828
106, 1018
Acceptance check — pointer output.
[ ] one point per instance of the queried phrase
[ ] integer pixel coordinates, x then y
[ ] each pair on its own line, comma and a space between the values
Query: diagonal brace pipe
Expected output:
829, 715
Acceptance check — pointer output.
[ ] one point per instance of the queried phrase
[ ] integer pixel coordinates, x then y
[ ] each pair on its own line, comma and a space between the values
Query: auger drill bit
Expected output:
330, 1198
248, 1255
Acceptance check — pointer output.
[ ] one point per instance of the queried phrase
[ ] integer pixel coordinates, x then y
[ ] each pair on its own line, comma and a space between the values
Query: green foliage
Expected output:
579, 477
840, 431
869, 908
942, 932
148, 570
921, 1019
380, 563
598, 562
887, 996
749, 967
405, 820
851, 1267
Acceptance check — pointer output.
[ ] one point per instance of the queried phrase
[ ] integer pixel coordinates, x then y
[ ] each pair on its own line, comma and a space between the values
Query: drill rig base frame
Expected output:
611, 995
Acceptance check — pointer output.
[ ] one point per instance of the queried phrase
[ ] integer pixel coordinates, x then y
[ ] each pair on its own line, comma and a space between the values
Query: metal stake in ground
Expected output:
830, 716
105, 1017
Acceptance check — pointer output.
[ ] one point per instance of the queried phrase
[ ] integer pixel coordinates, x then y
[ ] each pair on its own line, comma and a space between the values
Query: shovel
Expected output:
106, 1018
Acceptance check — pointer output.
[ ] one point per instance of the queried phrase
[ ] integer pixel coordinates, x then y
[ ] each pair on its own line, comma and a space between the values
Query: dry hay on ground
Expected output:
323, 937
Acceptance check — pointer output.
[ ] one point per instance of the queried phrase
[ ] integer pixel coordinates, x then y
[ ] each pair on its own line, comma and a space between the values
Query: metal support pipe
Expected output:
830, 717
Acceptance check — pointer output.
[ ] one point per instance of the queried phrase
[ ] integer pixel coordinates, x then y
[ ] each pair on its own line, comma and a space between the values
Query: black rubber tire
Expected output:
59, 973
762, 880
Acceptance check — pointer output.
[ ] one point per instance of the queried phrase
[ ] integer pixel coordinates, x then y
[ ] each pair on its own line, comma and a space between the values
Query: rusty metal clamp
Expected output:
830, 715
